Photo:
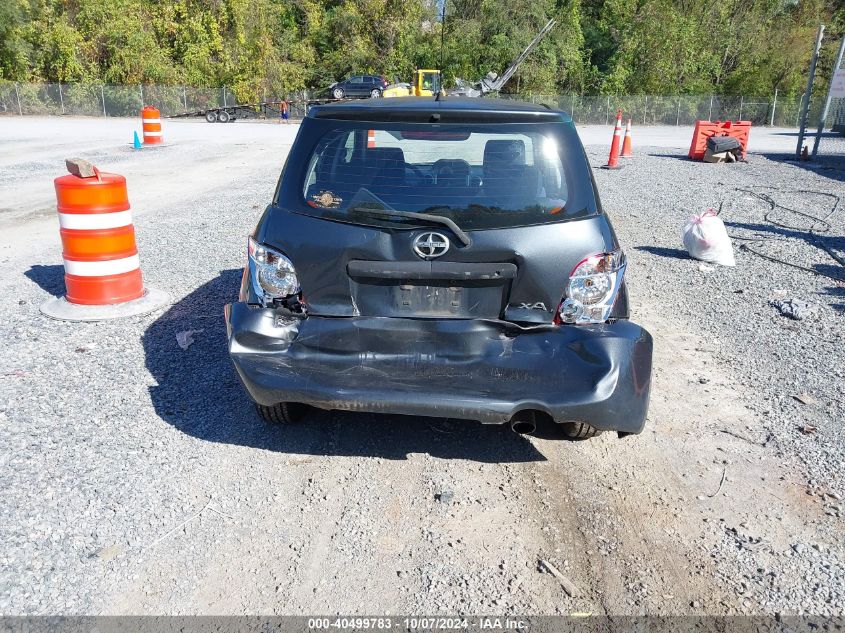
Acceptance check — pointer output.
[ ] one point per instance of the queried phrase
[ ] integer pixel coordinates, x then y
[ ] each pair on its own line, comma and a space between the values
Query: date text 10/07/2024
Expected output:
418, 624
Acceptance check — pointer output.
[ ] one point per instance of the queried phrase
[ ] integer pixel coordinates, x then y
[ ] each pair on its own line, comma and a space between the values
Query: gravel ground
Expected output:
137, 479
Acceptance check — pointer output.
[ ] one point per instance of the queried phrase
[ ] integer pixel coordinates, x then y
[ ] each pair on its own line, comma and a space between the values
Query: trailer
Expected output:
262, 110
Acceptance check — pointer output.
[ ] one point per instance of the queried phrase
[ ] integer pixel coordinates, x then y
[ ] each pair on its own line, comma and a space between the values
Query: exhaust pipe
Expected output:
524, 423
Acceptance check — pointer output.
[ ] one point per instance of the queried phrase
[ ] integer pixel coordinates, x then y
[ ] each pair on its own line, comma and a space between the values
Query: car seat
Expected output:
387, 166
508, 182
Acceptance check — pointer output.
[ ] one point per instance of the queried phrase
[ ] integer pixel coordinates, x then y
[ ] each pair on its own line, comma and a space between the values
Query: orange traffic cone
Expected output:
627, 150
613, 159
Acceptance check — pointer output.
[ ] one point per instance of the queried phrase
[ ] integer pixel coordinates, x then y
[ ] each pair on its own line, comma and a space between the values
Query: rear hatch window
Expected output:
480, 176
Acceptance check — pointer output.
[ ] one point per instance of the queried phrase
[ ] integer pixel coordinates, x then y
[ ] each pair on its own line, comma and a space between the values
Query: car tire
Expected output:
282, 413
337, 93
375, 93
211, 116
580, 431
223, 116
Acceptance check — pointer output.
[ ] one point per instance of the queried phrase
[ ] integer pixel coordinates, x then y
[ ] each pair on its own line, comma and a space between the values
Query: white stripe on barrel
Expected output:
151, 120
147, 133
100, 269
94, 221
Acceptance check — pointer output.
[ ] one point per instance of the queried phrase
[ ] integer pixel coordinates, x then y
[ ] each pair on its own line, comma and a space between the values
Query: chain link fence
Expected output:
116, 101
105, 100
675, 110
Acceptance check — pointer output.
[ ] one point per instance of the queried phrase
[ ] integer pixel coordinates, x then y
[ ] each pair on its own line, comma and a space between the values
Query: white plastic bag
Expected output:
706, 238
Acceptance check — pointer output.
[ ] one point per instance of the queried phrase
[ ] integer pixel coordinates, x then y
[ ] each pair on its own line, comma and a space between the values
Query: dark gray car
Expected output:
442, 258
359, 86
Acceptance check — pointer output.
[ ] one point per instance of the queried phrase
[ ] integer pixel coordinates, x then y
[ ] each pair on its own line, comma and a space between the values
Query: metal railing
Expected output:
108, 100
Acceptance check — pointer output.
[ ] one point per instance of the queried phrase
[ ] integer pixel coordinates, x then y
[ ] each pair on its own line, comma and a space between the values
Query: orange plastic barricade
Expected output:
740, 130
151, 120
98, 240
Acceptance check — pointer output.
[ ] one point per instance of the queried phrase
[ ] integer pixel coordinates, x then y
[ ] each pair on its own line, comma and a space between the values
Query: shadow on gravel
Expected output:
672, 253
832, 167
818, 241
838, 292
680, 154
50, 278
199, 393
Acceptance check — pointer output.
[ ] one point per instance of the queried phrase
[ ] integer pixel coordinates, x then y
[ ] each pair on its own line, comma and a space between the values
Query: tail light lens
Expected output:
593, 287
271, 271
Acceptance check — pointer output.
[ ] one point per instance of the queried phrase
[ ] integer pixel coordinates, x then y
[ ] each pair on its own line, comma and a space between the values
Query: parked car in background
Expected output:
370, 86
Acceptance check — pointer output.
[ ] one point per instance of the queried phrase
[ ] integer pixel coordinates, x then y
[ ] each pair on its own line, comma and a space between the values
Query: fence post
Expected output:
607, 111
572, 113
61, 98
645, 111
185, 98
805, 105
141, 87
18, 97
741, 103
710, 111
678, 118
774, 105
826, 108
103, 99
224, 96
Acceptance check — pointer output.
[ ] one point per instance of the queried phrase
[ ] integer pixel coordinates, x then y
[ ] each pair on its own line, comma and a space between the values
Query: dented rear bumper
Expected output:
470, 369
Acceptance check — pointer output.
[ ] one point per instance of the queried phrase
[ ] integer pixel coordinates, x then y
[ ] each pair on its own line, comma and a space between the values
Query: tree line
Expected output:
279, 47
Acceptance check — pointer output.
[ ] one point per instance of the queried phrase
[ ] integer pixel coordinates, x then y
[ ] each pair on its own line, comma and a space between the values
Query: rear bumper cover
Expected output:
470, 369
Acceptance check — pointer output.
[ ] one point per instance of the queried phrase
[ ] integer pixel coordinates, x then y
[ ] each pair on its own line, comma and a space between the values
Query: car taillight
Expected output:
272, 272
593, 287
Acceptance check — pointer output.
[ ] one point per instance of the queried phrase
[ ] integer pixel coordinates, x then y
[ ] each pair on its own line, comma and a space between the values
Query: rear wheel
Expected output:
223, 116
580, 430
282, 413
337, 93
211, 116
375, 93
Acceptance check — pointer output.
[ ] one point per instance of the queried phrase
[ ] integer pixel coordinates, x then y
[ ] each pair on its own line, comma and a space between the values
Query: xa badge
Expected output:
430, 245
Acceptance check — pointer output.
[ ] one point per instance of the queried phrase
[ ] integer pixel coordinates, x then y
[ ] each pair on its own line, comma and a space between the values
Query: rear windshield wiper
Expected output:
411, 215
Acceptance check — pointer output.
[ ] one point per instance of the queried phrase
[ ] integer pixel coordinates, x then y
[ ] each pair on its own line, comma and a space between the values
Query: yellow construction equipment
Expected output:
426, 84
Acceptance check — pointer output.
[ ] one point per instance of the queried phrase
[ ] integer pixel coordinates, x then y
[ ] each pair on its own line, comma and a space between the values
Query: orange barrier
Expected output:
371, 138
613, 159
740, 130
151, 120
98, 240
627, 150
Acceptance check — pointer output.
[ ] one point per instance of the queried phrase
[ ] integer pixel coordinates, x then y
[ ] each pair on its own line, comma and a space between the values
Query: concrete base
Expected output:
62, 310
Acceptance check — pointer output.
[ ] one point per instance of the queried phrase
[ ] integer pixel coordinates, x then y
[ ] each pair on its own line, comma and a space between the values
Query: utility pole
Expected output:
774, 105
18, 97
826, 108
805, 105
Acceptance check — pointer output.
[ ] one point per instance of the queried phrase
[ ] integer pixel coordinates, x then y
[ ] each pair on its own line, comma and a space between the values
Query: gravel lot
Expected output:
137, 478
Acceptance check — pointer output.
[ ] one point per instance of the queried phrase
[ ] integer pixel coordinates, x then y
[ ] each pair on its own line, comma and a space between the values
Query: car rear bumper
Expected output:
470, 369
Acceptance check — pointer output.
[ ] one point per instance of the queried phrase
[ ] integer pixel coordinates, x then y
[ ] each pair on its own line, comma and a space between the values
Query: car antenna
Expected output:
442, 40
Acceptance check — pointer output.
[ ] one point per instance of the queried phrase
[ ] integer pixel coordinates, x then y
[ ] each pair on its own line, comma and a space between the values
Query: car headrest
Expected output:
503, 153
386, 154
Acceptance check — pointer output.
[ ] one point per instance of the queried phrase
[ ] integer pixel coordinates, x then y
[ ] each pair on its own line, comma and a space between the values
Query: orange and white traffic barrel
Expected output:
151, 120
371, 138
101, 263
98, 240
